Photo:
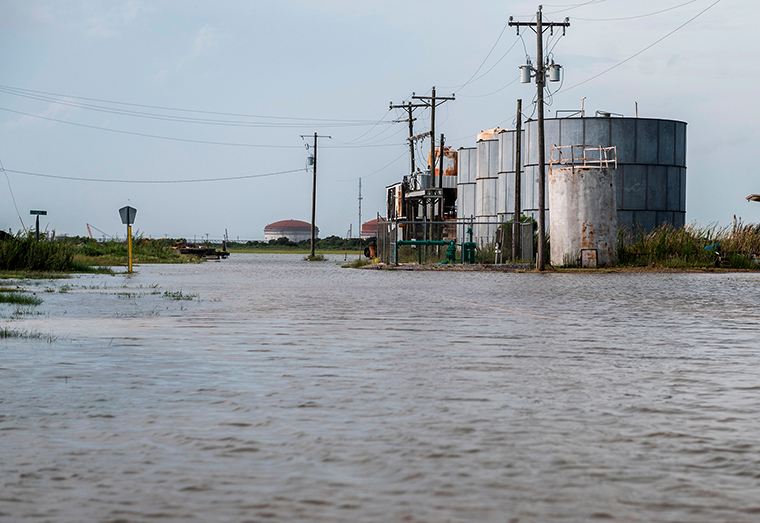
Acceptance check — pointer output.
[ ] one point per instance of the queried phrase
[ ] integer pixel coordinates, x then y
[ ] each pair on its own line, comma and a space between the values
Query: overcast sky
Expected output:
178, 90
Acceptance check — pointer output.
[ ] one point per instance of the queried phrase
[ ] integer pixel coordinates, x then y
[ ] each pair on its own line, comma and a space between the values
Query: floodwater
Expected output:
289, 391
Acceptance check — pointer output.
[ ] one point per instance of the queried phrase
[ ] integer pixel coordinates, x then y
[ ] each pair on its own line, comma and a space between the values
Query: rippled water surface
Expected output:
291, 391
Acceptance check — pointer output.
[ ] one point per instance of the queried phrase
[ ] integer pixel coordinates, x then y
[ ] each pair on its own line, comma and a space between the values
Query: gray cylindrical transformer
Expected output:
583, 221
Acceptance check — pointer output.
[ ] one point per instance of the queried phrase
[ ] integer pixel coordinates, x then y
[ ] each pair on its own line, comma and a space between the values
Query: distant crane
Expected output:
93, 227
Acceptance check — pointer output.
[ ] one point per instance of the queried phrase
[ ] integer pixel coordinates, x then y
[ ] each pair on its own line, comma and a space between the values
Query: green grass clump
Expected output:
6, 333
690, 246
179, 295
18, 298
315, 257
359, 262
24, 253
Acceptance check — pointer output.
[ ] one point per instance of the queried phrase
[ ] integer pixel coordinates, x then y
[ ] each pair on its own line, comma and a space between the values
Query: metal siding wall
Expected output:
680, 151
646, 141
657, 187
571, 132
622, 136
645, 219
674, 189
667, 143
634, 189
506, 151
625, 219
552, 137
597, 132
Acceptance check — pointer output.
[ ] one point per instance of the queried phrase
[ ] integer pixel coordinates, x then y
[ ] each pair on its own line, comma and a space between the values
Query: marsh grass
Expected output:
6, 333
733, 246
359, 262
179, 295
17, 298
315, 257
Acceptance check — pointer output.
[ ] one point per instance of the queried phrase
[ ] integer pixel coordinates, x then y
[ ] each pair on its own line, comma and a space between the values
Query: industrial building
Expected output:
293, 230
649, 178
650, 174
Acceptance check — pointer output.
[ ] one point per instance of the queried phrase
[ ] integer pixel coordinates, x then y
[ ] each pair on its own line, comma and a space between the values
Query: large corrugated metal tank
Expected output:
583, 220
506, 196
486, 190
651, 172
467, 166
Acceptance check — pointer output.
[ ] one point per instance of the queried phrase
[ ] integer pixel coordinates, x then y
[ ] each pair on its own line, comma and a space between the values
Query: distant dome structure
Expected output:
293, 230
369, 229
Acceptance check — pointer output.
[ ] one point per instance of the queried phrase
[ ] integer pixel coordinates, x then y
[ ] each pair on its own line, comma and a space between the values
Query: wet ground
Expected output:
266, 388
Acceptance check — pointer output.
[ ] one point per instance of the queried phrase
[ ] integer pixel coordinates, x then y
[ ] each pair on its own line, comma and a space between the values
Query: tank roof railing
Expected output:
589, 156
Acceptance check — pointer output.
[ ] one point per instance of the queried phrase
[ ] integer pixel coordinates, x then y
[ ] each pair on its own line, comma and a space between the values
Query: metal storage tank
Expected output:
486, 189
467, 165
651, 172
582, 197
506, 196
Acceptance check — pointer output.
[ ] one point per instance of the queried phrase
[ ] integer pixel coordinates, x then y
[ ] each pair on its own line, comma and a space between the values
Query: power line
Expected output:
196, 180
636, 16
485, 59
180, 119
12, 196
163, 108
646, 48
175, 139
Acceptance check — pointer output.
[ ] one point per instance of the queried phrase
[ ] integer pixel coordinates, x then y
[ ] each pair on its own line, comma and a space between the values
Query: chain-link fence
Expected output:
425, 242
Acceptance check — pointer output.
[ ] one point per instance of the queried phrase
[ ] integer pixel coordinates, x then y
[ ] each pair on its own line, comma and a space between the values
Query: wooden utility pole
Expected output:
433, 101
410, 107
539, 27
440, 181
314, 192
516, 231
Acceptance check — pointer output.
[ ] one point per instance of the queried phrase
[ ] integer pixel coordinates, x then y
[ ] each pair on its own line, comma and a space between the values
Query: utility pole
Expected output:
410, 107
518, 165
360, 207
540, 70
433, 101
314, 191
440, 182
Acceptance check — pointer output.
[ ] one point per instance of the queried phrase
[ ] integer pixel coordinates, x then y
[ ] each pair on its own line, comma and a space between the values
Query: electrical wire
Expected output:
180, 119
484, 59
634, 17
646, 48
187, 140
371, 174
576, 6
163, 108
196, 180
490, 94
13, 198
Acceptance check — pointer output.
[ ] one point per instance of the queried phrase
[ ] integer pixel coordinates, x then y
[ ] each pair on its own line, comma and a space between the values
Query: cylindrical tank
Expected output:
486, 190
467, 162
583, 221
651, 172
506, 196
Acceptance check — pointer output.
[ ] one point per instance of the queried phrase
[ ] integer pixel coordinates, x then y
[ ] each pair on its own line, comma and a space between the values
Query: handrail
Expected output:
583, 156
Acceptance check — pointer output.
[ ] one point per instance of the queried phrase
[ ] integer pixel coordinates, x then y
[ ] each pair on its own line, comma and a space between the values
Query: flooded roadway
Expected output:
283, 390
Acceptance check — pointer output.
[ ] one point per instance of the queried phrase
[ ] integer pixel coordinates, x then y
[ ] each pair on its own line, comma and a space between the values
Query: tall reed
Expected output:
690, 246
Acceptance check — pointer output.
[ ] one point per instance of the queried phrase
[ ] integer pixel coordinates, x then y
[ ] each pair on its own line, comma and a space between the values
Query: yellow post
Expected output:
129, 244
